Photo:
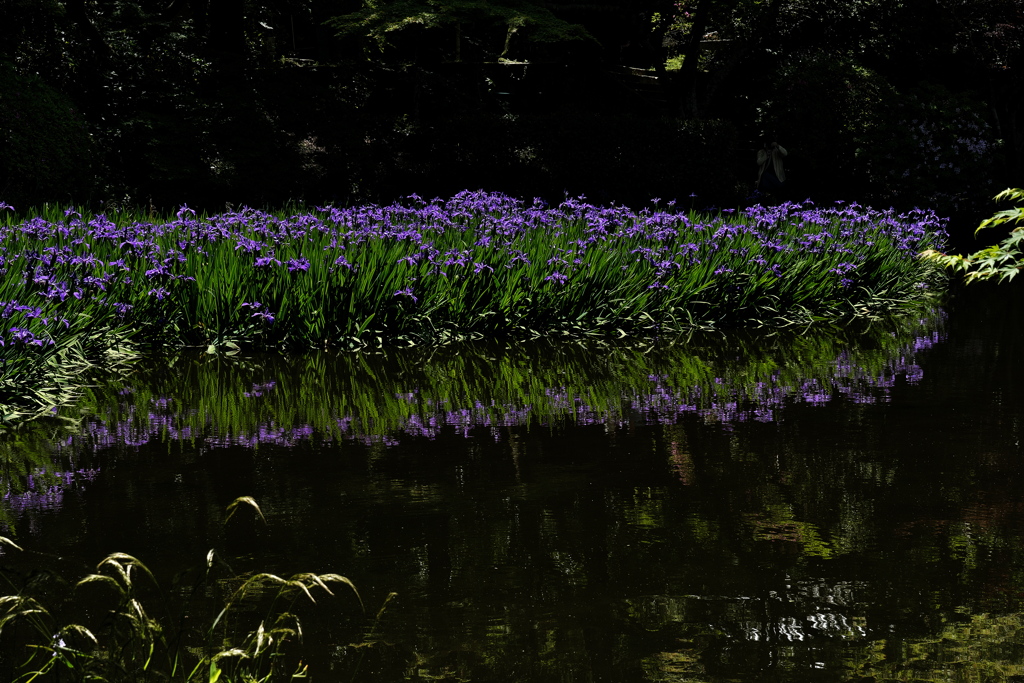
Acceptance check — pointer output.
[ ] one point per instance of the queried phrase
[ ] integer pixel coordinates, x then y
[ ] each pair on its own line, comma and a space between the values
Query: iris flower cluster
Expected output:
322, 274
475, 265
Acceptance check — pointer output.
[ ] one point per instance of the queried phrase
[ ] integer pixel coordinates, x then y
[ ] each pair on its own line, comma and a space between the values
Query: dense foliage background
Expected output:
258, 102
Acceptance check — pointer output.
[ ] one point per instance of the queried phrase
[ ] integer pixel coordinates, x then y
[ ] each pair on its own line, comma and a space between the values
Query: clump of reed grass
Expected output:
139, 634
75, 288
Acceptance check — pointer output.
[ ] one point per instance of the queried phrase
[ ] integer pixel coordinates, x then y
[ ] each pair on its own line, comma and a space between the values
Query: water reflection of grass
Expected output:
33, 475
481, 389
470, 389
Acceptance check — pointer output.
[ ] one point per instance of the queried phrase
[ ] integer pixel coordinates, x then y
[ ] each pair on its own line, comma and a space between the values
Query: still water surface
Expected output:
790, 507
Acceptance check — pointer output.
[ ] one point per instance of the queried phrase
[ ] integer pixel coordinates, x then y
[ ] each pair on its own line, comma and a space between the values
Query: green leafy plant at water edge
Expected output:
1003, 260
142, 636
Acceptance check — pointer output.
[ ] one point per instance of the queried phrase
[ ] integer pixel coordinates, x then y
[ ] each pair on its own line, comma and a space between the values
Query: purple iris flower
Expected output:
407, 292
301, 263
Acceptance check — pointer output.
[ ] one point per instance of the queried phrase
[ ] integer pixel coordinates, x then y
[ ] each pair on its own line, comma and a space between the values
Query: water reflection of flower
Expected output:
39, 497
259, 389
725, 401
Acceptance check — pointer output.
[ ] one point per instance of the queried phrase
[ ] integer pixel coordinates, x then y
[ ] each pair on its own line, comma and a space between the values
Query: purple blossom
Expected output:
158, 271
557, 278
264, 261
408, 293
260, 311
122, 309
298, 264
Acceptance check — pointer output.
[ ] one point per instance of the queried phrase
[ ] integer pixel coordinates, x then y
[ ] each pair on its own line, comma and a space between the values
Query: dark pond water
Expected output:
792, 507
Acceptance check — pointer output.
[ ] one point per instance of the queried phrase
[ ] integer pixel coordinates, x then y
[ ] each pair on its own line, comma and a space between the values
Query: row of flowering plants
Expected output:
75, 288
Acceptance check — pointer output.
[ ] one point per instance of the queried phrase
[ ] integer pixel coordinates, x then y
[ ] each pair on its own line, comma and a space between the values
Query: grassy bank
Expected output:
79, 290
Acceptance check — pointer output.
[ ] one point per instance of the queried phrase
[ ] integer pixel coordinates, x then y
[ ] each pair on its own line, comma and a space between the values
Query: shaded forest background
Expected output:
155, 103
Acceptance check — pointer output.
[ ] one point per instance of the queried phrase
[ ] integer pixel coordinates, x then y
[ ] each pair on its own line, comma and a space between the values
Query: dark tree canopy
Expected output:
498, 27
263, 101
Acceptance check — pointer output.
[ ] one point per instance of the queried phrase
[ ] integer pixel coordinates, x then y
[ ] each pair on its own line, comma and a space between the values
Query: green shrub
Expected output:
1003, 260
